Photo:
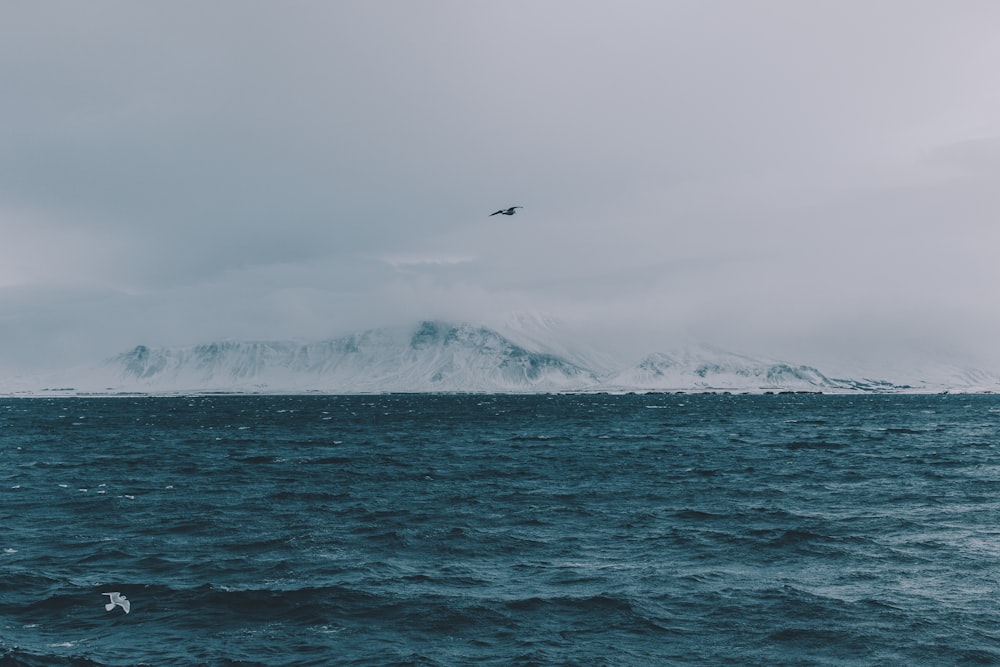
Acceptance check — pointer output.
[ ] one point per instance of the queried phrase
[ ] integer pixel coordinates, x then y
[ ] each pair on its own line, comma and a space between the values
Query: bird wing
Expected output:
492, 214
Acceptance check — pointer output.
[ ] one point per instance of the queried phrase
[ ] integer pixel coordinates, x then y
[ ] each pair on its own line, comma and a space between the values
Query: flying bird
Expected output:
117, 599
506, 211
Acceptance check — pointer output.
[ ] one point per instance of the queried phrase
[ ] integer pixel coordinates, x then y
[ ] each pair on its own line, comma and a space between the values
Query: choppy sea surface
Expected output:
501, 530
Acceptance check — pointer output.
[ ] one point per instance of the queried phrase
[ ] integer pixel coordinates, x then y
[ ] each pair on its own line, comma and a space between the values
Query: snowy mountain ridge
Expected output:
436, 356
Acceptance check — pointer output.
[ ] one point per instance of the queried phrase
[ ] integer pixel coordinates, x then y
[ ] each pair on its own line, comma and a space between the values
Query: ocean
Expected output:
416, 529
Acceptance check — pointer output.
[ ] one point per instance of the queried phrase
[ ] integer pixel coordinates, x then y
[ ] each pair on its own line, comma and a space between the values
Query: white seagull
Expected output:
117, 599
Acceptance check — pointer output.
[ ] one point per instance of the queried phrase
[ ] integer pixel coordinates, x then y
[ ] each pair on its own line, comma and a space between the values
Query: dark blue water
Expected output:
501, 530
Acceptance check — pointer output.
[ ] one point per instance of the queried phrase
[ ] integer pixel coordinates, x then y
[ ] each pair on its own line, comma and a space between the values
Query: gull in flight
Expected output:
506, 211
117, 599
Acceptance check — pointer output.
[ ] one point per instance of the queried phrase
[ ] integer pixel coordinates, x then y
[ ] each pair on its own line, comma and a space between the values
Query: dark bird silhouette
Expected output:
506, 211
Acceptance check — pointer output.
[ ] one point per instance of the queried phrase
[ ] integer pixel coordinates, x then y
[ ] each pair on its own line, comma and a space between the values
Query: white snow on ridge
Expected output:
432, 357
722, 371
532, 355
537, 331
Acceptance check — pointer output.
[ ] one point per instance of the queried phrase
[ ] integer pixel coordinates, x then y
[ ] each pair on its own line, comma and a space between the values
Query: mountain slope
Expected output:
434, 356
706, 369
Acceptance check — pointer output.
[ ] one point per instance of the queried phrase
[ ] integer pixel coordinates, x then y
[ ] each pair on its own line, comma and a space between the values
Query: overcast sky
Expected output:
807, 180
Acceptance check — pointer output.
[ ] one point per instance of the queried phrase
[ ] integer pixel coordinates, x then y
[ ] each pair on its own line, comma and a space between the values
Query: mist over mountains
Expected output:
437, 356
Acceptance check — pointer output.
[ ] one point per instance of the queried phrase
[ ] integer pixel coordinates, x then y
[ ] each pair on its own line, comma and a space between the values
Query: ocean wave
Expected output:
577, 530
18, 658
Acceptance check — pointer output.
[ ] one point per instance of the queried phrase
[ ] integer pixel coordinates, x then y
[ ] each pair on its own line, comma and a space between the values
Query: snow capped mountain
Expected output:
939, 377
533, 354
714, 370
433, 356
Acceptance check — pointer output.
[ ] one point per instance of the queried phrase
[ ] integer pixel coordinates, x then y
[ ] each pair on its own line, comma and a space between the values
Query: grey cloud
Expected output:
774, 174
